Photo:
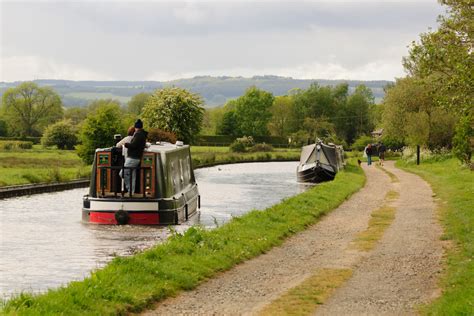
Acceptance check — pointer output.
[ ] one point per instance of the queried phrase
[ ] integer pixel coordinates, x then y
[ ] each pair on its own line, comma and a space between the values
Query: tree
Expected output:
229, 125
61, 134
29, 108
175, 110
137, 102
75, 114
443, 58
98, 130
283, 118
253, 111
463, 139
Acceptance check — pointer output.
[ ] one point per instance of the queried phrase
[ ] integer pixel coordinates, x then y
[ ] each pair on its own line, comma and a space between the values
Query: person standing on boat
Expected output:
368, 151
127, 139
134, 154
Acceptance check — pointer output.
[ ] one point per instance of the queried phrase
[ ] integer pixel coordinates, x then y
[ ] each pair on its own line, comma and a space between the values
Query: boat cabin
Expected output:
166, 192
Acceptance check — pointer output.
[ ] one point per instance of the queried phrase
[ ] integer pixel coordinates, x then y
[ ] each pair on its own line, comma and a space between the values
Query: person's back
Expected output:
137, 144
125, 140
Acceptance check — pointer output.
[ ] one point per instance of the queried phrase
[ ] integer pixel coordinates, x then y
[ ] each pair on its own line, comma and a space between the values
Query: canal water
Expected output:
43, 243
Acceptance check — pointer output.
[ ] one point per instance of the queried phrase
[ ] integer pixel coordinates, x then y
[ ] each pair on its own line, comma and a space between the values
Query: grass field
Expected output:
454, 186
132, 283
40, 165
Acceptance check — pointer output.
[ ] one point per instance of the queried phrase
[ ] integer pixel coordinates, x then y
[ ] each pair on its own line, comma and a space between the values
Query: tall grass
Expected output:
133, 283
454, 185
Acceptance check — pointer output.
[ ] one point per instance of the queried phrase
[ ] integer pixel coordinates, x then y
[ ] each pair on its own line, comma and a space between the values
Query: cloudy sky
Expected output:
163, 40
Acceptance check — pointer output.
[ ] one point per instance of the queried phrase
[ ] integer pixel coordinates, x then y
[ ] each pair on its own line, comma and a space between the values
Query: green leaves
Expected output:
175, 110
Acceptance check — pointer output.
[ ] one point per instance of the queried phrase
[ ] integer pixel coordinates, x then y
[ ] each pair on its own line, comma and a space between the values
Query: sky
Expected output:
166, 40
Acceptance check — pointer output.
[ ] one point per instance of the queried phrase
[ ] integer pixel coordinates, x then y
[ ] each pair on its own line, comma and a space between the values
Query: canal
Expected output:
43, 243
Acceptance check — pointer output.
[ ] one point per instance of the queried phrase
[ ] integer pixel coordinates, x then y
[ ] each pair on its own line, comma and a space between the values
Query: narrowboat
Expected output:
166, 192
320, 162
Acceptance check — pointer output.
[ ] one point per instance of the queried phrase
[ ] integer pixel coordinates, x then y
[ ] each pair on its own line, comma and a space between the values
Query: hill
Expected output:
215, 90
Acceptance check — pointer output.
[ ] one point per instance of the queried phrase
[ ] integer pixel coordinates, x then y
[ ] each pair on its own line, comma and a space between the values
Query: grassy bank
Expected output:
40, 165
454, 186
133, 283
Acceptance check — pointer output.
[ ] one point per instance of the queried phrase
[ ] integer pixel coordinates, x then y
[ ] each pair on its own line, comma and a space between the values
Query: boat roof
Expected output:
159, 147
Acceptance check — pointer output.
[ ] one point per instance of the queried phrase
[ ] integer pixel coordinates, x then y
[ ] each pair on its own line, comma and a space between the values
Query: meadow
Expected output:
47, 165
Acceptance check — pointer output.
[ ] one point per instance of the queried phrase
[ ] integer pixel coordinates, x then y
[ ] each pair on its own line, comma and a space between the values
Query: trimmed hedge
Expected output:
226, 140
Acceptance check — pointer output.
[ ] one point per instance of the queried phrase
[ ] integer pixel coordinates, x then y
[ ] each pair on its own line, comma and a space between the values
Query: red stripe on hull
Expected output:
134, 218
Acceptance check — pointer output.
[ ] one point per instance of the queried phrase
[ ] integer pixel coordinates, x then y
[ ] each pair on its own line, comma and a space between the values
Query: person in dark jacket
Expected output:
382, 150
368, 151
134, 154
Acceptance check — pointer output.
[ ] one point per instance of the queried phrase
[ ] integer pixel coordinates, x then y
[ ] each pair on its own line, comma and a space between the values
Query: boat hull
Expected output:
139, 212
315, 174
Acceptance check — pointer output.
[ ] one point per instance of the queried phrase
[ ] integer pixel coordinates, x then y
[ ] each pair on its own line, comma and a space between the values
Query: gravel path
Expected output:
393, 278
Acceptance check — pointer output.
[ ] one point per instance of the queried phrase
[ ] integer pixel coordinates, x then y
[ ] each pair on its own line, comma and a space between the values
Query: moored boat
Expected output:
320, 162
166, 191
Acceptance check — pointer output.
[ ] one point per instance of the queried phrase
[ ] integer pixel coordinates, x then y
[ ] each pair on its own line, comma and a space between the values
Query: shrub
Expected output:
361, 142
159, 135
237, 147
462, 140
61, 134
9, 145
261, 147
247, 141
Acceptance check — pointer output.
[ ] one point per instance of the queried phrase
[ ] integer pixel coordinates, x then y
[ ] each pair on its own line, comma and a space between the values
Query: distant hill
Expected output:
215, 90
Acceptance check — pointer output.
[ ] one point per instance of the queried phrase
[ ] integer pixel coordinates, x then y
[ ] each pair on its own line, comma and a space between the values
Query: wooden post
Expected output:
417, 154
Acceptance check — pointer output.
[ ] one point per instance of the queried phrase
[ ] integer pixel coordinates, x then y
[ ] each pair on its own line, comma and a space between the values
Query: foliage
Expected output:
412, 116
158, 135
361, 142
247, 141
262, 147
237, 147
28, 108
283, 116
137, 102
175, 110
443, 58
300, 138
12, 145
392, 143
98, 130
131, 284
229, 125
463, 139
76, 114
61, 134
253, 111
3, 127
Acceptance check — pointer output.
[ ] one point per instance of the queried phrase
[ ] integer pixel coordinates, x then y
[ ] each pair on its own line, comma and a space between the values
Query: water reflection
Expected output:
43, 244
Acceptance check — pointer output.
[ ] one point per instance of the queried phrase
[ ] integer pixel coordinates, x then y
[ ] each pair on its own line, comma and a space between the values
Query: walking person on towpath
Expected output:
368, 151
134, 154
382, 149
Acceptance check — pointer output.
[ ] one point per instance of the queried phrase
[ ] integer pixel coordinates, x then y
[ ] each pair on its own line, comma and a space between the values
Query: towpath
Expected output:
398, 275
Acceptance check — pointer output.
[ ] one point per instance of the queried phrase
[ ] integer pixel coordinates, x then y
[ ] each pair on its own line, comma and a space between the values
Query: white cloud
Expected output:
18, 68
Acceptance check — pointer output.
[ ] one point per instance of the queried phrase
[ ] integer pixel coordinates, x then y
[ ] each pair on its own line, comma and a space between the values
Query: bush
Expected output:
462, 140
261, 147
61, 134
237, 147
10, 145
98, 130
361, 142
247, 141
159, 135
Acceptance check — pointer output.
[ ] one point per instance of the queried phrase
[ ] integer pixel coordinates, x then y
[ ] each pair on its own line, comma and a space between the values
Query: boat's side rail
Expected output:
110, 181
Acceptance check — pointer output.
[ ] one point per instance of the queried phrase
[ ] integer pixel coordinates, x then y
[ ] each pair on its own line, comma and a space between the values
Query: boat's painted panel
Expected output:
97, 205
134, 218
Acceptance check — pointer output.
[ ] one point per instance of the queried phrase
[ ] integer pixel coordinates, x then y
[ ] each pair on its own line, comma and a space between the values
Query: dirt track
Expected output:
394, 278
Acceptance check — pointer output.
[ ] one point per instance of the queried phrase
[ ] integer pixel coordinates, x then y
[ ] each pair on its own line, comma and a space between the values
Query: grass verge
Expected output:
454, 185
379, 221
131, 284
305, 298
